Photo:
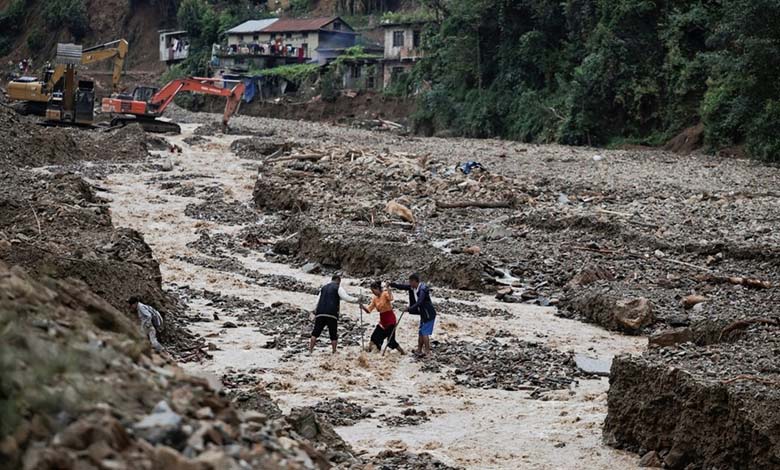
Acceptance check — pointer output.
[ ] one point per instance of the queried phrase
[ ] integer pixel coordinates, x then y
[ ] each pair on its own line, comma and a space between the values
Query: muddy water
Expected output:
468, 427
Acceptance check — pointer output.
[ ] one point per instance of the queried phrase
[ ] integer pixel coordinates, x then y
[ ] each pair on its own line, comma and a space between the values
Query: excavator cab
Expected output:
144, 93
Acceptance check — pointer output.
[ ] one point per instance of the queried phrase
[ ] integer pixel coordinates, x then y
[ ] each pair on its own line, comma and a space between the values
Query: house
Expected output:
248, 32
403, 47
267, 43
361, 73
174, 46
317, 39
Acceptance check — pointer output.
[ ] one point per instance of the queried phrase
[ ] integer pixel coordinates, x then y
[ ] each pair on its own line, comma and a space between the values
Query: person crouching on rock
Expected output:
327, 311
151, 320
420, 304
385, 330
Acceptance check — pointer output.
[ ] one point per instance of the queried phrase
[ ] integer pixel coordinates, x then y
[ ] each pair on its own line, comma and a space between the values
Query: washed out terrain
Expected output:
586, 299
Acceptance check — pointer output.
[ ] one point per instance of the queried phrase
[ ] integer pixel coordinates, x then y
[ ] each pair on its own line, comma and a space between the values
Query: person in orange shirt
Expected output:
385, 330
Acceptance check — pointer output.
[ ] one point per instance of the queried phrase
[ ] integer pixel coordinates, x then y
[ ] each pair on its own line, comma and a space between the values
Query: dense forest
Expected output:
602, 72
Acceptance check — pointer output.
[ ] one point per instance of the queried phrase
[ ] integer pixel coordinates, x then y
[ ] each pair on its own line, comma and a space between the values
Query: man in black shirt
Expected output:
327, 311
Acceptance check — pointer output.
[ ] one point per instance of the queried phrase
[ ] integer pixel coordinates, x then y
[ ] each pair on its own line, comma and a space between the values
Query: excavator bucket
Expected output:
68, 54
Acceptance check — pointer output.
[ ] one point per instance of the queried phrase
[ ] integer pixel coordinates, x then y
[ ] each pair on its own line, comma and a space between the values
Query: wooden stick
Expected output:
683, 263
37, 221
751, 378
743, 324
630, 221
478, 204
392, 335
310, 156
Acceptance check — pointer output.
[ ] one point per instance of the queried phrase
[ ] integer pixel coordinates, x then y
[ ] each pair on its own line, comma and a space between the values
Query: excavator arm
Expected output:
163, 98
114, 49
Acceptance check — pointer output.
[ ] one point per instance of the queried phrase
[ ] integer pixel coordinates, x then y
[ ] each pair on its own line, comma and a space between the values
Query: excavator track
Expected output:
149, 125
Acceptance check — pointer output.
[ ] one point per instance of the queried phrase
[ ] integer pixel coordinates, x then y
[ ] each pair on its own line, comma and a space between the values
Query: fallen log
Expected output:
751, 378
743, 324
477, 204
307, 156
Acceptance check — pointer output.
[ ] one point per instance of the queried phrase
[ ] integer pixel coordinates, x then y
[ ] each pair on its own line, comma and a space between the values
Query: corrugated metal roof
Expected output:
252, 26
302, 24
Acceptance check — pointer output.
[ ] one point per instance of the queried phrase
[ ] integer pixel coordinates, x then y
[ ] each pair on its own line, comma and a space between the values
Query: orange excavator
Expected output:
147, 103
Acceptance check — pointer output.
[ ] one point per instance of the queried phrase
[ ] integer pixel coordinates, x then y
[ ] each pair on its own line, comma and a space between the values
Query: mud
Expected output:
255, 320
711, 407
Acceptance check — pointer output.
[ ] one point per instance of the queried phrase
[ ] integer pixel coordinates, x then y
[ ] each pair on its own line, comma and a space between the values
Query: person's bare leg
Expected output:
427, 345
400, 350
419, 344
334, 346
312, 342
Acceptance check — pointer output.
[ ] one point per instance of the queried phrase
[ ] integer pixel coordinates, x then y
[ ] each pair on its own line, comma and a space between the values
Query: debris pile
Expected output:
86, 394
340, 412
507, 364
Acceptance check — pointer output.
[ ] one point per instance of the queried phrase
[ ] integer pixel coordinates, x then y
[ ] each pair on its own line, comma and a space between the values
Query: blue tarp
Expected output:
251, 89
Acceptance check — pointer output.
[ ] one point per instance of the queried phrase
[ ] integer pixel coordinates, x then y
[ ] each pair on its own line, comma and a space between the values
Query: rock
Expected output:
169, 459
161, 426
676, 458
678, 320
204, 413
214, 459
589, 275
9, 450
628, 315
229, 324
472, 250
399, 210
671, 337
651, 459
311, 268
167, 164
503, 292
590, 365
691, 300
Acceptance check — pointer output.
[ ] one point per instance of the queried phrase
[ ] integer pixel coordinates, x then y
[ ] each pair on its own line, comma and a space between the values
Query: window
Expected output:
416, 39
288, 35
398, 39
396, 72
255, 37
336, 26
356, 71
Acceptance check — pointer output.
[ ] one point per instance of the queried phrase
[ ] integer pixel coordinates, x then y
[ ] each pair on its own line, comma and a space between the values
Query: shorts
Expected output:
426, 328
320, 322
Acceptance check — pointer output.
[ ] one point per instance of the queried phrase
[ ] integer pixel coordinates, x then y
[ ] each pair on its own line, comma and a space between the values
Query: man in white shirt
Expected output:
151, 320
327, 311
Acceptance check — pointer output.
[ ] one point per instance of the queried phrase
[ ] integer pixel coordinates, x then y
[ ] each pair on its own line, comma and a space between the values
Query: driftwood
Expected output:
307, 156
737, 281
477, 204
751, 378
743, 324
630, 216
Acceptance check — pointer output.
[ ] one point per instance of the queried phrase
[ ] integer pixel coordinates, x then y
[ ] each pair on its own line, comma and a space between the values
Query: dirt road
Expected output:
466, 427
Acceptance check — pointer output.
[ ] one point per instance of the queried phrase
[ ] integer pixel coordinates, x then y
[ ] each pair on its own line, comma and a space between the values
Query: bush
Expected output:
69, 13
36, 40
763, 139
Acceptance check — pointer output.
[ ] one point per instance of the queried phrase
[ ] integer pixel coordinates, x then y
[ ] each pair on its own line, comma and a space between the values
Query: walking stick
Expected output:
392, 335
362, 330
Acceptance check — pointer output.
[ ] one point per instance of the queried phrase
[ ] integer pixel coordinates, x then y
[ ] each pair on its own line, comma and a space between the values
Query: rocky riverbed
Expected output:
544, 265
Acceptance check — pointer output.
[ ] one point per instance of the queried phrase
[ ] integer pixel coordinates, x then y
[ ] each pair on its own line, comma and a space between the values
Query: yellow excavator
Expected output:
59, 94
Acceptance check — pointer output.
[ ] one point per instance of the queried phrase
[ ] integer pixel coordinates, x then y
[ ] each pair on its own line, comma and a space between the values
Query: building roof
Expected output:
252, 26
302, 24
